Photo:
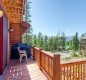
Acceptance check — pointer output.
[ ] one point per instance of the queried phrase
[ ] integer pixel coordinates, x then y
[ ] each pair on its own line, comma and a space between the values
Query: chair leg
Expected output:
26, 58
20, 59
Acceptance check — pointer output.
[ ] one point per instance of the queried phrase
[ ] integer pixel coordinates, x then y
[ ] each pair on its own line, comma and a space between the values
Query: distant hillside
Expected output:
68, 38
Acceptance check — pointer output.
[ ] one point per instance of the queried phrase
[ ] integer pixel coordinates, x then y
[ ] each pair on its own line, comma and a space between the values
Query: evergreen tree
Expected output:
35, 40
50, 43
28, 40
26, 18
45, 46
63, 40
75, 42
71, 44
40, 40
55, 43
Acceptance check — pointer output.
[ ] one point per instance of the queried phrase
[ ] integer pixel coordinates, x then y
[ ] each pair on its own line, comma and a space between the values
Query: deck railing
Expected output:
48, 63
55, 70
74, 70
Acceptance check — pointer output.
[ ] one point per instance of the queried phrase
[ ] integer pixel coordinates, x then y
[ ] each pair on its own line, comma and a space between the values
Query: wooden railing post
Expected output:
56, 67
40, 58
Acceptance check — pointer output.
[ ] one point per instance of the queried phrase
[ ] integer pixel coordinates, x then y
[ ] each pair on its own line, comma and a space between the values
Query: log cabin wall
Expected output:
15, 35
18, 30
14, 11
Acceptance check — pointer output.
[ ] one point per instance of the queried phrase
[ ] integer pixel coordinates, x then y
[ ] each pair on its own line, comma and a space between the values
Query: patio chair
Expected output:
22, 53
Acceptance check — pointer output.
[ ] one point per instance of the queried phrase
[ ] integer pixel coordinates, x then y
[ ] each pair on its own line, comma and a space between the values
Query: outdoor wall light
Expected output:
1, 13
10, 30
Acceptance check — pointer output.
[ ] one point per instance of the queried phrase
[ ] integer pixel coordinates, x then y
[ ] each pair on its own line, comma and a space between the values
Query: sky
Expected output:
52, 16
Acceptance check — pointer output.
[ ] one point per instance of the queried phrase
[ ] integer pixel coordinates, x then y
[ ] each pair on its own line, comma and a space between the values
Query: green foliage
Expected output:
53, 43
47, 43
63, 38
27, 14
27, 38
40, 40
77, 55
75, 42
34, 40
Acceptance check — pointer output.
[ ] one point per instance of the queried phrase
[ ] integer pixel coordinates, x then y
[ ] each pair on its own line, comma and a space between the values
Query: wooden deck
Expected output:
23, 71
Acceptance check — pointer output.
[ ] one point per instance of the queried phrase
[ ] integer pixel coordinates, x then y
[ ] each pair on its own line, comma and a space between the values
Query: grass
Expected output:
77, 55
73, 55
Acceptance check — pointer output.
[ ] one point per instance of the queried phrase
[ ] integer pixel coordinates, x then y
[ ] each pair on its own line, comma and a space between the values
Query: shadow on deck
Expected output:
23, 71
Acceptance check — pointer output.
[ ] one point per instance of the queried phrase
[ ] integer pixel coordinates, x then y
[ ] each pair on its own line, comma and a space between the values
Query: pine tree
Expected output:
63, 38
26, 18
75, 42
40, 40
71, 44
45, 46
35, 40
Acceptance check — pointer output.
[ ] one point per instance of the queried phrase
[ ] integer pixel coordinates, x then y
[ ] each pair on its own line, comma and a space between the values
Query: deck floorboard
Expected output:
23, 71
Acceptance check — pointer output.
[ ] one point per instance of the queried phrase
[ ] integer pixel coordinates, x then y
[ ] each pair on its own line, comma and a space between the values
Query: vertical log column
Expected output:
15, 35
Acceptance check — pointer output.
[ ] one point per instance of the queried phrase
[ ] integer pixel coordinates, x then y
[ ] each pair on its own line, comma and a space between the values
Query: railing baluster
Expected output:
76, 71
67, 73
83, 70
70, 72
81, 73
73, 72
64, 72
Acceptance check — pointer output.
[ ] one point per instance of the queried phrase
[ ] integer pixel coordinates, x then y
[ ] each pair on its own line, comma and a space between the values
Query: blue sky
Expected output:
50, 16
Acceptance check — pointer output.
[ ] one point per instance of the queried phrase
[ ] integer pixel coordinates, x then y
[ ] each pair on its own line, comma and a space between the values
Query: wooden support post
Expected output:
56, 67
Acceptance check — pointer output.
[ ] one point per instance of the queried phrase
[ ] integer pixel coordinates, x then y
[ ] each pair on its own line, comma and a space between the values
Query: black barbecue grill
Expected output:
23, 46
